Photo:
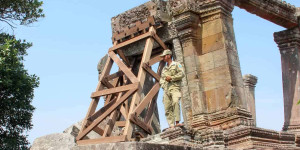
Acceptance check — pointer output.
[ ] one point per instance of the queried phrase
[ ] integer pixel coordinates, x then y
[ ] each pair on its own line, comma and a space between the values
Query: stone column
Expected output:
187, 25
249, 83
219, 63
186, 100
289, 45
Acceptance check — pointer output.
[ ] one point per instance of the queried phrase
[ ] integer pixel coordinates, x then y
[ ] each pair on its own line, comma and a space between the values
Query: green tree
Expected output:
23, 12
16, 85
16, 93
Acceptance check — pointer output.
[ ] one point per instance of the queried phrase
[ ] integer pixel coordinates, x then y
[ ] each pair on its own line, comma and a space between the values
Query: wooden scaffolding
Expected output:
123, 85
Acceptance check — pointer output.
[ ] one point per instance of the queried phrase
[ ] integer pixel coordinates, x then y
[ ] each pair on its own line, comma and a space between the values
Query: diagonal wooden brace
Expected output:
114, 90
147, 99
127, 71
140, 123
151, 72
105, 114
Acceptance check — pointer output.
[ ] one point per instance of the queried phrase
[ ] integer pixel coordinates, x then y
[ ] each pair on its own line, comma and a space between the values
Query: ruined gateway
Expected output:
218, 104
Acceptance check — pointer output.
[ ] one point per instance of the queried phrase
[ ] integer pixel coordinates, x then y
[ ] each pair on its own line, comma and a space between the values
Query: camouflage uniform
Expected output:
172, 93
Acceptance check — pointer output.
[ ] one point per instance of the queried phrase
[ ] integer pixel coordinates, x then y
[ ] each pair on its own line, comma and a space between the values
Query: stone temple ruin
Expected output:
218, 103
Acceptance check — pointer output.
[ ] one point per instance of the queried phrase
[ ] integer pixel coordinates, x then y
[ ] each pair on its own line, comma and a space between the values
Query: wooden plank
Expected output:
105, 72
140, 37
159, 41
151, 72
110, 124
109, 97
150, 111
160, 67
107, 84
111, 139
115, 90
94, 103
120, 123
147, 99
96, 129
149, 114
113, 76
140, 123
155, 59
123, 67
141, 78
105, 114
102, 110
124, 112
112, 120
124, 58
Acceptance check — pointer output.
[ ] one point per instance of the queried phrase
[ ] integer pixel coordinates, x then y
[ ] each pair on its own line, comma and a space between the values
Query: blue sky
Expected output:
75, 34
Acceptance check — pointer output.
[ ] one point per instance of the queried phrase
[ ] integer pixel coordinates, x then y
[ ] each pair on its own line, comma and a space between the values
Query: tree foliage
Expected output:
16, 93
16, 85
22, 11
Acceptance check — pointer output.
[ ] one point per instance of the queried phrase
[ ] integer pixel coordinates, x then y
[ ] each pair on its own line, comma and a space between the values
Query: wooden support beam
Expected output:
102, 110
123, 67
122, 55
107, 84
96, 129
141, 78
140, 37
116, 103
140, 123
112, 120
120, 123
111, 139
109, 97
94, 103
155, 59
113, 76
150, 111
160, 67
159, 41
149, 114
115, 90
147, 99
105, 114
124, 112
151, 72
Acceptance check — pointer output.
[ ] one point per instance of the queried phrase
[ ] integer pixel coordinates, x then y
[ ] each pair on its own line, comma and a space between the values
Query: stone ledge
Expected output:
132, 146
252, 137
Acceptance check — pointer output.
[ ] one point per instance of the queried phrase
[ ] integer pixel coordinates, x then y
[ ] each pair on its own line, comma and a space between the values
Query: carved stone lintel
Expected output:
205, 7
276, 11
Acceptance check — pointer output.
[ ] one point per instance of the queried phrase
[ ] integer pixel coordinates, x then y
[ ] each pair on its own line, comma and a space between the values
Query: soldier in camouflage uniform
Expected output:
170, 81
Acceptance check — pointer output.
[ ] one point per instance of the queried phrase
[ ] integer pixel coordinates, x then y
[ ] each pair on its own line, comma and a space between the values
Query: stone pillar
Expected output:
186, 99
249, 83
187, 25
219, 63
289, 45
214, 79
